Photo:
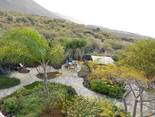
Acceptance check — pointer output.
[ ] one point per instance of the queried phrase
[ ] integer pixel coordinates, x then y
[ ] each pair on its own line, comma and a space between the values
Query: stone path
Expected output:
67, 78
77, 83
25, 80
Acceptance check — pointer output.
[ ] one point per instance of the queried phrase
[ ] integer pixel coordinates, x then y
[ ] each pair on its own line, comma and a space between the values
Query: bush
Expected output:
83, 107
6, 82
109, 110
111, 90
32, 100
10, 18
22, 20
11, 106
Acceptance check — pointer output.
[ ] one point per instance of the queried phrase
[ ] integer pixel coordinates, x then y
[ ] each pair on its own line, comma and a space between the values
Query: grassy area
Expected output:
6, 82
62, 101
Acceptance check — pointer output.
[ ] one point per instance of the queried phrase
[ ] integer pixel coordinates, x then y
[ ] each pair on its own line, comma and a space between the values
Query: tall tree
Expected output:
28, 46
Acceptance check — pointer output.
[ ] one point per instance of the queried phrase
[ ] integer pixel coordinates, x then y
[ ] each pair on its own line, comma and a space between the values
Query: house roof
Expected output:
102, 59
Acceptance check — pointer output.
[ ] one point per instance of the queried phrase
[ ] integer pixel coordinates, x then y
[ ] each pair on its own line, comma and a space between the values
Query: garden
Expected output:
62, 101
132, 74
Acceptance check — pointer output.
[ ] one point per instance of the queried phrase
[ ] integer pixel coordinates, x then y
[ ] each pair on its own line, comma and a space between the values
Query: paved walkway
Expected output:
67, 78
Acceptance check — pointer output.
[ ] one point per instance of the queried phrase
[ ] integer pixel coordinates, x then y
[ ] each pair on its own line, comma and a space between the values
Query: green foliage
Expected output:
22, 20
28, 46
55, 29
82, 107
76, 43
111, 90
109, 79
23, 45
10, 18
74, 47
140, 56
31, 101
109, 110
11, 106
6, 82
56, 54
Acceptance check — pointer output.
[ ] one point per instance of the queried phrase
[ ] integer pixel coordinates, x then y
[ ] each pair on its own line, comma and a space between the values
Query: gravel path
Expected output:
67, 78
25, 79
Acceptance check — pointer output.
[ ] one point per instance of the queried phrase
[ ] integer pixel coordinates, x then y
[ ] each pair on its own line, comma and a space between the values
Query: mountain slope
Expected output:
120, 34
100, 40
27, 6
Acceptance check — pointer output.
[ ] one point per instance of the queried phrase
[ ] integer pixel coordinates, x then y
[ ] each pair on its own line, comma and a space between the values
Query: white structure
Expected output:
1, 115
102, 60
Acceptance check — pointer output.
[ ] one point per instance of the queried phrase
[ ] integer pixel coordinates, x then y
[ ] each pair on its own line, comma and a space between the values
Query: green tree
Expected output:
140, 56
28, 46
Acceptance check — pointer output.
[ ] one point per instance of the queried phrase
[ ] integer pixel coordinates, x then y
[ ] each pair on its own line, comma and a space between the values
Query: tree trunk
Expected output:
135, 108
125, 107
45, 78
141, 107
141, 102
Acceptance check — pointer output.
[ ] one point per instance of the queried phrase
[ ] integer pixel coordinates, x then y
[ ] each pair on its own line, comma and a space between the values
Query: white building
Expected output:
102, 60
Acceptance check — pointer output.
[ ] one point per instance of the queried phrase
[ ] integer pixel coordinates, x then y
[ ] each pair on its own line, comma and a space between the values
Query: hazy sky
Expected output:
137, 16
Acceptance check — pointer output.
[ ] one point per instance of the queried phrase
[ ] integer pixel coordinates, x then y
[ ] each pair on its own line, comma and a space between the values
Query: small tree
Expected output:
28, 46
140, 56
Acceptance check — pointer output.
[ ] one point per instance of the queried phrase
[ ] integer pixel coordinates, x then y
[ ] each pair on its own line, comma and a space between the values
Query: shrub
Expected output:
10, 18
11, 106
6, 82
111, 90
83, 107
109, 110
32, 100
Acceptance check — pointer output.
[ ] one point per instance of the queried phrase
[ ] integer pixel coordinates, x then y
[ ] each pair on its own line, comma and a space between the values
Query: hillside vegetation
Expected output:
100, 41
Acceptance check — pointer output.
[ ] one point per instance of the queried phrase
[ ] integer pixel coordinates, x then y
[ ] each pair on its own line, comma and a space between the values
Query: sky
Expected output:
136, 16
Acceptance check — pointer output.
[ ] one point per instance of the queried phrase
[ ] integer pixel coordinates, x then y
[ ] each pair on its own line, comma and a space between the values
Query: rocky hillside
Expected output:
26, 6
101, 41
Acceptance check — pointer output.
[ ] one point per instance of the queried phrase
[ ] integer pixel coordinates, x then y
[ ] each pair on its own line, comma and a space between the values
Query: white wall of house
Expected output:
102, 60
